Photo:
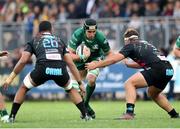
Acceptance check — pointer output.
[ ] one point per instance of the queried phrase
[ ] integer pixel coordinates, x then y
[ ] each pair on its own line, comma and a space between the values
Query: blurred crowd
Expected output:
31, 12
61, 10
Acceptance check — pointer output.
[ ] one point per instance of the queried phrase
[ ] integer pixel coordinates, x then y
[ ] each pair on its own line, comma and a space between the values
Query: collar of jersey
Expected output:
90, 41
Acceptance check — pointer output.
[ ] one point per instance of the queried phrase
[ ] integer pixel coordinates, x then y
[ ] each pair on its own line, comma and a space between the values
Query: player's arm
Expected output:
73, 54
73, 43
109, 53
131, 64
72, 67
75, 72
18, 67
111, 59
25, 56
81, 56
72, 46
22, 62
103, 42
69, 60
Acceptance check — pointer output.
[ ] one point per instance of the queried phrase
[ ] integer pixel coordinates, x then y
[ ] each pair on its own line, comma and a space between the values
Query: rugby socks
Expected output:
14, 110
82, 108
130, 108
3, 112
89, 92
173, 113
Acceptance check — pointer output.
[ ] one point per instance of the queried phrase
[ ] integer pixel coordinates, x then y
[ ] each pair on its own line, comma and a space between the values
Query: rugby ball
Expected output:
82, 49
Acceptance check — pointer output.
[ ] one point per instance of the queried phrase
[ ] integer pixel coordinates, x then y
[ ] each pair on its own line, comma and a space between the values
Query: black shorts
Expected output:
50, 71
158, 74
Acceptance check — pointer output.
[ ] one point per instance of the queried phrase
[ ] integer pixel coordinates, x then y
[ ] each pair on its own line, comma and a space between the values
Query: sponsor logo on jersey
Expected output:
53, 56
169, 72
95, 46
54, 71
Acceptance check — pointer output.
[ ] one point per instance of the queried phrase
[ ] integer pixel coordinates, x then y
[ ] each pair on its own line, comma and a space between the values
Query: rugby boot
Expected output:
127, 116
91, 112
86, 117
176, 116
5, 119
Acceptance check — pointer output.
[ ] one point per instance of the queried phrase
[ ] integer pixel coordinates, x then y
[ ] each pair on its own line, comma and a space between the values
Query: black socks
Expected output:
173, 113
130, 108
82, 108
14, 109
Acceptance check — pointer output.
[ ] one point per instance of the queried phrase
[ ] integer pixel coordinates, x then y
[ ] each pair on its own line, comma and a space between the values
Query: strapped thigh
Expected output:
28, 81
94, 72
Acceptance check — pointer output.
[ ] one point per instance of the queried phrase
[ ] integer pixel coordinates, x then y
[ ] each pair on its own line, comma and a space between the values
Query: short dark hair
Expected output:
130, 32
90, 24
45, 26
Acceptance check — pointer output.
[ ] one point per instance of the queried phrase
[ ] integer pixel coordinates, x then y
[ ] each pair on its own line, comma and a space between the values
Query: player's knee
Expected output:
91, 79
91, 82
24, 89
92, 75
28, 82
72, 84
68, 87
127, 84
75, 85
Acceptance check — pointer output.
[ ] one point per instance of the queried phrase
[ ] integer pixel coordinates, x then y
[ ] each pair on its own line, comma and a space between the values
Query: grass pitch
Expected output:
63, 114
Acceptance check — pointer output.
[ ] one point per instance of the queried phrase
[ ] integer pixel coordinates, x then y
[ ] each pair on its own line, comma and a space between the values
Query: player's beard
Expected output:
90, 38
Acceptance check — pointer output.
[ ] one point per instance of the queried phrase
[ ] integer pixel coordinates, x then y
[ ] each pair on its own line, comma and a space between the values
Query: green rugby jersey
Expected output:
99, 46
178, 42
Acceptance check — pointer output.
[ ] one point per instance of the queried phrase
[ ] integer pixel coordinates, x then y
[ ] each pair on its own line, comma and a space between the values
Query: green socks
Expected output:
89, 92
3, 112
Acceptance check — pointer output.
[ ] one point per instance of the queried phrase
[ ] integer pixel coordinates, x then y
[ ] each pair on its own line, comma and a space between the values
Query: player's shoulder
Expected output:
30, 42
99, 33
178, 42
100, 36
79, 31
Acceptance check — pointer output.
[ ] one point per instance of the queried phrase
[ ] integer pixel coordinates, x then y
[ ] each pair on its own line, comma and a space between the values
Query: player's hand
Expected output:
83, 52
6, 84
91, 65
125, 61
86, 52
9, 80
83, 58
82, 90
4, 53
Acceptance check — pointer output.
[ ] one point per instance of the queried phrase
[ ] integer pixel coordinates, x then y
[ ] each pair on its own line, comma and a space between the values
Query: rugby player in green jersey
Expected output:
99, 47
3, 112
176, 49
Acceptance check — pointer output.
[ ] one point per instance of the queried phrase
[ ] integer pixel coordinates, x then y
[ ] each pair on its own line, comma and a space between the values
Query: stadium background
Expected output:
158, 21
